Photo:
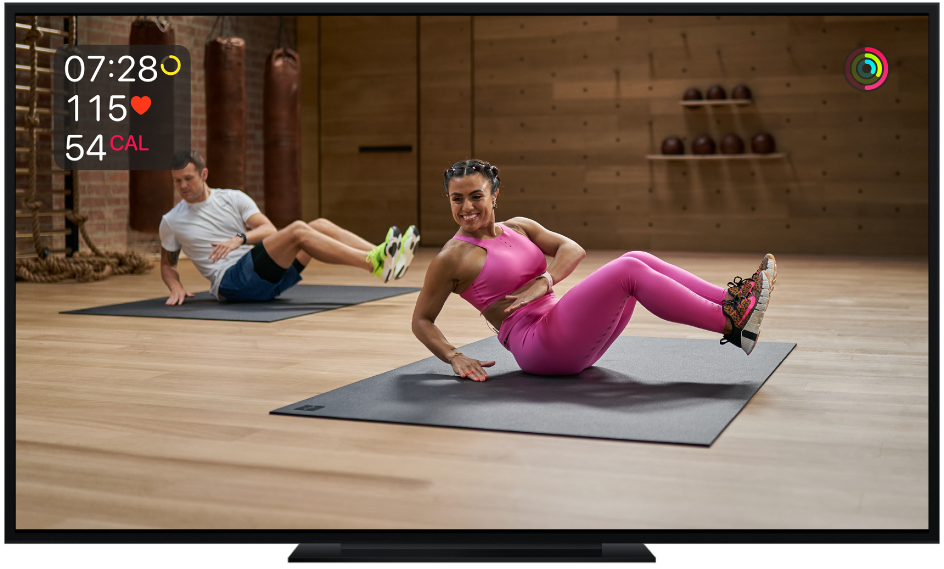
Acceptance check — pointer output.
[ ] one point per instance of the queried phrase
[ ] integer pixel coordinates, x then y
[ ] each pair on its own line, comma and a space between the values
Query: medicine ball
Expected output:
732, 144
692, 94
762, 143
716, 92
703, 145
673, 145
741, 92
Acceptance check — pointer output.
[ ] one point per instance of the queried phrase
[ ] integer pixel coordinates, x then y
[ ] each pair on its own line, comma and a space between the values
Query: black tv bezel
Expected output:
655, 538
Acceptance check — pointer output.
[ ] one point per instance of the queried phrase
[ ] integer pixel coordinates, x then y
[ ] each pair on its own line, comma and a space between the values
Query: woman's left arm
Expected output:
565, 251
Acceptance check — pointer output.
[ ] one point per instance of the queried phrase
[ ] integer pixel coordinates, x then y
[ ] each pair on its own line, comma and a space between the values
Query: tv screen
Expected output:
261, 292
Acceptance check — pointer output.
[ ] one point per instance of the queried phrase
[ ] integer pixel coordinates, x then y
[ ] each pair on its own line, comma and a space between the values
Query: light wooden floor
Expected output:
153, 423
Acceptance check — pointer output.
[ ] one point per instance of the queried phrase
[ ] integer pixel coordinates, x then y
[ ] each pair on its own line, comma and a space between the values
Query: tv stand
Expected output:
401, 552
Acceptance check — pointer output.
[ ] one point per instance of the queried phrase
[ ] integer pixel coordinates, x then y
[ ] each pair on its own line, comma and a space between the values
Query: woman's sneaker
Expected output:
741, 287
408, 245
746, 314
383, 257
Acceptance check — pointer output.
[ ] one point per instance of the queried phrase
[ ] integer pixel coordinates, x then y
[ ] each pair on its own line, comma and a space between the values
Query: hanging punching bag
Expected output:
225, 77
150, 192
282, 133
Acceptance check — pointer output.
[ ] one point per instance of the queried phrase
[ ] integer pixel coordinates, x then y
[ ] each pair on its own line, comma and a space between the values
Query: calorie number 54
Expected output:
70, 145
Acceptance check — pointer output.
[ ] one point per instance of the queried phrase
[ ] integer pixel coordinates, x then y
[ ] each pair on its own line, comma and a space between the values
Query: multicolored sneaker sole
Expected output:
769, 264
408, 244
746, 314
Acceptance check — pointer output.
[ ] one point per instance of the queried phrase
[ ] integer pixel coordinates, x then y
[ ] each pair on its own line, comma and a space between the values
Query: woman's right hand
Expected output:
470, 368
442, 277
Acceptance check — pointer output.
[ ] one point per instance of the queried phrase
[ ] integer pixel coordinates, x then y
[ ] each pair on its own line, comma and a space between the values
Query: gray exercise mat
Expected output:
296, 301
664, 390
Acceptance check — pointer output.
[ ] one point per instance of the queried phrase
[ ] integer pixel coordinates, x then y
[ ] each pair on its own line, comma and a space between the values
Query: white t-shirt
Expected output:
193, 227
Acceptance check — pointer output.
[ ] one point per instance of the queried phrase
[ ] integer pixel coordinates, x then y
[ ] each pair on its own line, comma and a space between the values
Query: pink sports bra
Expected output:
511, 261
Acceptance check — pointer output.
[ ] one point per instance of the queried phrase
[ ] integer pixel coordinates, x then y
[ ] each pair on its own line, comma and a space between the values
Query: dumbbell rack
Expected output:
716, 157
717, 103
771, 156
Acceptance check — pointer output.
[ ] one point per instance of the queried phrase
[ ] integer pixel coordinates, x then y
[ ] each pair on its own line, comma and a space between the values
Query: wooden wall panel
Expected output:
368, 98
568, 107
445, 69
551, 101
308, 42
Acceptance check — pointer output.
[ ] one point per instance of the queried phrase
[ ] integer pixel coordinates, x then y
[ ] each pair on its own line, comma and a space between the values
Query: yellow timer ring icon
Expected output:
163, 61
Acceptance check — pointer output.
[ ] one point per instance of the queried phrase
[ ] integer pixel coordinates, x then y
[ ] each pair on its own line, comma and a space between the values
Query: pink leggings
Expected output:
553, 336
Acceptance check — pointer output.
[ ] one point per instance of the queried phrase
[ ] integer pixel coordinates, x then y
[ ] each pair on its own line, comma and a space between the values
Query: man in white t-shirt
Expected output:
245, 258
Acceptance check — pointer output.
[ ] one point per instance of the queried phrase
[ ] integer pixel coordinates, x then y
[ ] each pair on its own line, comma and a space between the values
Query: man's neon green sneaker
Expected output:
408, 244
383, 257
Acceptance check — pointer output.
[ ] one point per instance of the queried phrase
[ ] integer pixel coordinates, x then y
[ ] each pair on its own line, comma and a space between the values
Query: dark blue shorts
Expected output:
242, 283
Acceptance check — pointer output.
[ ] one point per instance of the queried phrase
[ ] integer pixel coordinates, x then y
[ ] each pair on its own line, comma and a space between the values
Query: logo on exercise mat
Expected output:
866, 68
309, 407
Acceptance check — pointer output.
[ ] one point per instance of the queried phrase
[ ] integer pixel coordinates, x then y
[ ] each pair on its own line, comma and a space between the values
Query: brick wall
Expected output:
104, 195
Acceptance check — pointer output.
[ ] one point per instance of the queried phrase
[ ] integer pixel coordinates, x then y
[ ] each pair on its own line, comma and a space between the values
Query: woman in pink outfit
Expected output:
500, 268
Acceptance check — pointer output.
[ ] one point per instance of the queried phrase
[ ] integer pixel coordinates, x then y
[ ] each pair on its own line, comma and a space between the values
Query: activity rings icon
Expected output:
163, 61
866, 68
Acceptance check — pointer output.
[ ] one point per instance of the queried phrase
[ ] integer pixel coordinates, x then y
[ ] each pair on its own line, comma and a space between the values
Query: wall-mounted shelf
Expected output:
717, 103
770, 156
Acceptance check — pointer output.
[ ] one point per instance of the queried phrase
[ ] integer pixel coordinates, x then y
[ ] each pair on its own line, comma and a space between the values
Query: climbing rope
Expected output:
82, 266
32, 121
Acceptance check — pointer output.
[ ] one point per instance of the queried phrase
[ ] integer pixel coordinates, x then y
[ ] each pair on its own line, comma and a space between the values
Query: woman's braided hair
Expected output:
473, 166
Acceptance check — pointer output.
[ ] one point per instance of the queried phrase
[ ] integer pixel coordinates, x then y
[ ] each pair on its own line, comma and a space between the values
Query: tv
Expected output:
158, 440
